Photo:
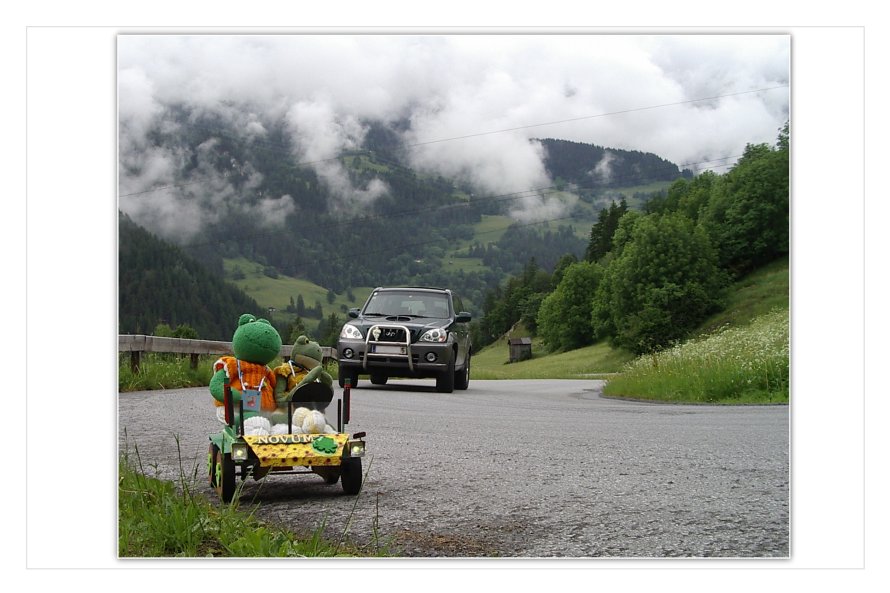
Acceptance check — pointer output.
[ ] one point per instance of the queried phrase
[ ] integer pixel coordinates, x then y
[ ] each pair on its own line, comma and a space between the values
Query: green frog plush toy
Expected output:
303, 367
255, 344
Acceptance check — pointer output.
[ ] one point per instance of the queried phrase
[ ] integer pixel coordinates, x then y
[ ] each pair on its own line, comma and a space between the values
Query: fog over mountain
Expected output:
467, 107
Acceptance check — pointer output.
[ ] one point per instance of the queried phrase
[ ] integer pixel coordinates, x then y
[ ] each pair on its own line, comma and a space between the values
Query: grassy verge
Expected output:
163, 371
171, 371
754, 295
599, 359
158, 518
747, 364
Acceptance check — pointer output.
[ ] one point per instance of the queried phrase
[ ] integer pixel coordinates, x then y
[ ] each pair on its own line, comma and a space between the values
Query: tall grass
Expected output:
747, 364
164, 371
159, 518
173, 371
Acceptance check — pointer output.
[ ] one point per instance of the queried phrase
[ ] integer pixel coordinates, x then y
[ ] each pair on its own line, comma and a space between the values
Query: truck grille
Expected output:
392, 334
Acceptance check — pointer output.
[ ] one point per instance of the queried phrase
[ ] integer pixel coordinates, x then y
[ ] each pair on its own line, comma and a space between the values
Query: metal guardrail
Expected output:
137, 344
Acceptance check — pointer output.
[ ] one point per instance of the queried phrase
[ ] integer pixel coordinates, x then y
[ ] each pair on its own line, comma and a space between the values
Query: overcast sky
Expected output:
473, 101
70, 139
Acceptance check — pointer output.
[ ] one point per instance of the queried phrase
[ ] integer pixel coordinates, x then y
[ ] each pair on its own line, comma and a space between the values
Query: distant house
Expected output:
520, 349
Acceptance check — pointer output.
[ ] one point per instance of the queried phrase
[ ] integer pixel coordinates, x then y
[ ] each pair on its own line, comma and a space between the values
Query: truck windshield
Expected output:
408, 304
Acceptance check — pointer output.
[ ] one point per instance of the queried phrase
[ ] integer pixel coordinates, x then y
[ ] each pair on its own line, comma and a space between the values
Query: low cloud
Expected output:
603, 170
320, 134
474, 104
274, 212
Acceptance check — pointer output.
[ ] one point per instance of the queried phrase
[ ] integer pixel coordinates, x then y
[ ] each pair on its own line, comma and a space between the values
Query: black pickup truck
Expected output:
415, 332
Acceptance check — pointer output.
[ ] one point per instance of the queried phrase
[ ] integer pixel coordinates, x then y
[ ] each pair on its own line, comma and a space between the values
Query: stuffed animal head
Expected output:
255, 340
305, 353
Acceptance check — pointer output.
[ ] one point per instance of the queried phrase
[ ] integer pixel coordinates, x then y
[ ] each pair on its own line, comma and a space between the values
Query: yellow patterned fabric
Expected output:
277, 450
292, 375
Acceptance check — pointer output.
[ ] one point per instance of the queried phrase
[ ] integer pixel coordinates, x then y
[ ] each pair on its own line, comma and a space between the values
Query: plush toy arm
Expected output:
280, 389
217, 387
311, 376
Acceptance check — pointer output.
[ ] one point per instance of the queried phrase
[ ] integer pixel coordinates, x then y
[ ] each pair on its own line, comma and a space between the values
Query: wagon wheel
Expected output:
211, 465
225, 476
351, 475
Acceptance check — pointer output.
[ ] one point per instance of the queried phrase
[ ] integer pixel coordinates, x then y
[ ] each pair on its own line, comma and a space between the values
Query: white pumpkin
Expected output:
278, 429
299, 416
314, 423
257, 426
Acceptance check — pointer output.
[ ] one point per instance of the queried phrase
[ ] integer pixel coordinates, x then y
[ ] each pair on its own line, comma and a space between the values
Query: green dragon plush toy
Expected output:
255, 344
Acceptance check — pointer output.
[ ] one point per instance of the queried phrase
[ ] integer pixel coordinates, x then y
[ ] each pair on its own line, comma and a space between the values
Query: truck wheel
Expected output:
351, 475
379, 379
211, 464
343, 374
445, 381
462, 377
225, 476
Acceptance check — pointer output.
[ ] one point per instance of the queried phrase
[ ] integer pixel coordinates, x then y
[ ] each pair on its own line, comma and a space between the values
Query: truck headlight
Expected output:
350, 332
239, 451
435, 335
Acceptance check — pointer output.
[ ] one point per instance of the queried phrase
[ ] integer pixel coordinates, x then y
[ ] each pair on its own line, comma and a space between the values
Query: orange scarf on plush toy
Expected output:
253, 375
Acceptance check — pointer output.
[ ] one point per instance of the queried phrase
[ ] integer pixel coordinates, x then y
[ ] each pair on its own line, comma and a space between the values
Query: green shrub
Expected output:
661, 285
564, 316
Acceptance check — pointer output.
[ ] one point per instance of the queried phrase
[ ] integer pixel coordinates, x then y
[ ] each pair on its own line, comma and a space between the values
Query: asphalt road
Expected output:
516, 469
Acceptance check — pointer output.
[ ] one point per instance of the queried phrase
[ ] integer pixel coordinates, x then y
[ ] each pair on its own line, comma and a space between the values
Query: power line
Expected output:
585, 117
359, 220
351, 153
379, 159
735, 156
485, 201
488, 201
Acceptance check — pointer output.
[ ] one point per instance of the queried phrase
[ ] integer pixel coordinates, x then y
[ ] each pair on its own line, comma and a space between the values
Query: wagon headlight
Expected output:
239, 451
356, 448
350, 332
434, 335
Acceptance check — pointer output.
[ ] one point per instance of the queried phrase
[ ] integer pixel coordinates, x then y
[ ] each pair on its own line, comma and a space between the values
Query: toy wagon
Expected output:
335, 456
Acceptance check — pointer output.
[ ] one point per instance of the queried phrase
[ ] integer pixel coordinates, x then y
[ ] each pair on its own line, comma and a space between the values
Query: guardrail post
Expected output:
134, 362
194, 361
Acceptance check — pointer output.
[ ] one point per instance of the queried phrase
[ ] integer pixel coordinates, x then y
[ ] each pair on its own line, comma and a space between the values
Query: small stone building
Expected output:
520, 349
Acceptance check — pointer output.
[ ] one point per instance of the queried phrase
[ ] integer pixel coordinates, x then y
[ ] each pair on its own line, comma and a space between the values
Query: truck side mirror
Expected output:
353, 313
463, 317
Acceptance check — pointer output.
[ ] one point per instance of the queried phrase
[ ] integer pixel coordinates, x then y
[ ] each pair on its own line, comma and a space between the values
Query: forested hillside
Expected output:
588, 165
158, 283
248, 198
650, 277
